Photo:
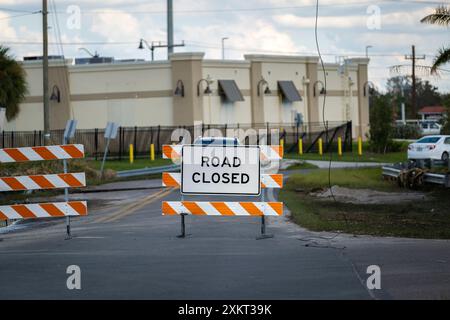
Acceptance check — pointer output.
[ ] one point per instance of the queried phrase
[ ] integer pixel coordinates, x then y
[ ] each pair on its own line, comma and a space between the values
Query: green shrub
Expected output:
406, 132
381, 128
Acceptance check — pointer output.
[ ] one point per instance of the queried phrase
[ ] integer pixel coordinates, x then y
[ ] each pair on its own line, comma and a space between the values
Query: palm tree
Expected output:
441, 16
13, 84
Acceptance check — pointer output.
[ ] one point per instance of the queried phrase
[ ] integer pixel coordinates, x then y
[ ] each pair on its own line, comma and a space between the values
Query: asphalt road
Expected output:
127, 250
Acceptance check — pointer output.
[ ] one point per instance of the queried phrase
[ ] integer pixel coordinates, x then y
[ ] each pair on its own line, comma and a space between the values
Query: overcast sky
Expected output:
114, 27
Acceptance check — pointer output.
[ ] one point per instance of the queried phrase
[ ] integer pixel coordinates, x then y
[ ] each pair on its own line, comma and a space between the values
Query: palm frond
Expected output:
443, 57
13, 84
441, 16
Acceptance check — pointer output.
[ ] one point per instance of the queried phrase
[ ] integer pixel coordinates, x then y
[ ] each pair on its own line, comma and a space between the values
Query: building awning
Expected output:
230, 90
289, 91
432, 110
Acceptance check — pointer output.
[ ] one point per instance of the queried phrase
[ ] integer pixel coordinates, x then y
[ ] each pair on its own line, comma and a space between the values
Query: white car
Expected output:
430, 147
430, 127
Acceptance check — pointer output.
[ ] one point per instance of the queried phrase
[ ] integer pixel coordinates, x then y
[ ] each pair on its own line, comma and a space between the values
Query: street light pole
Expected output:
223, 47
46, 96
367, 50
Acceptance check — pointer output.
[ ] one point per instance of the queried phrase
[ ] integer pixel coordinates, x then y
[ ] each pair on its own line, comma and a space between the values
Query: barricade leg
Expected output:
183, 223
69, 235
183, 226
263, 234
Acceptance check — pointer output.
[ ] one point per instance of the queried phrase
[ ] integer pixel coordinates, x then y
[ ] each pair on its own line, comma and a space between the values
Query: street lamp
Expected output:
367, 50
322, 90
151, 47
371, 87
223, 47
56, 94
262, 83
207, 90
179, 90
95, 55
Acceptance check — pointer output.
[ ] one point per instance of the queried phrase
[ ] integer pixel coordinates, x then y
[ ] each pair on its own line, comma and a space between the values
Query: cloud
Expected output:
245, 36
399, 19
115, 25
8, 31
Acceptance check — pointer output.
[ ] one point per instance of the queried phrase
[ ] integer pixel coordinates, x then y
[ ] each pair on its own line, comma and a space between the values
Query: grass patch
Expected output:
350, 178
417, 219
367, 156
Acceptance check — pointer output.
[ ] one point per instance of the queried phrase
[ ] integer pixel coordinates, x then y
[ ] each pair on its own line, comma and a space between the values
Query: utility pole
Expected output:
170, 45
413, 57
46, 96
169, 28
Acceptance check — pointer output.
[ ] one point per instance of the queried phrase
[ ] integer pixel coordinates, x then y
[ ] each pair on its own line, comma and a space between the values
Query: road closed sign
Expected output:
220, 170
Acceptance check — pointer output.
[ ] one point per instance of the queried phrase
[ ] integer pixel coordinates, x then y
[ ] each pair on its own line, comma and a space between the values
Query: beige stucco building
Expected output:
188, 88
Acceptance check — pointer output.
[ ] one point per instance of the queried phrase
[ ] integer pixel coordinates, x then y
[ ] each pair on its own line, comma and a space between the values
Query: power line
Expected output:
199, 44
249, 9
20, 15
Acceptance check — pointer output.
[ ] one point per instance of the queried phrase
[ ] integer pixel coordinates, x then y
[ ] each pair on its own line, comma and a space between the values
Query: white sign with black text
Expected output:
220, 170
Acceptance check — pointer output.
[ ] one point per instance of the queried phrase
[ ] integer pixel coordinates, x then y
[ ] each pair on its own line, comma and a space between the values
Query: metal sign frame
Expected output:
222, 193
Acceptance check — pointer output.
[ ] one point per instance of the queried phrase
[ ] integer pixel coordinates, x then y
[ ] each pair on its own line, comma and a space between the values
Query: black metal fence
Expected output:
142, 137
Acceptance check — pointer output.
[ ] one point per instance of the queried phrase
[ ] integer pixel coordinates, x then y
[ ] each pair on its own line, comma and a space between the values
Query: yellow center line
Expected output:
128, 211
128, 207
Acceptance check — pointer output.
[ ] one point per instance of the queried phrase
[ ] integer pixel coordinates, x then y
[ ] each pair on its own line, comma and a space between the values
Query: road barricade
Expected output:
43, 182
223, 171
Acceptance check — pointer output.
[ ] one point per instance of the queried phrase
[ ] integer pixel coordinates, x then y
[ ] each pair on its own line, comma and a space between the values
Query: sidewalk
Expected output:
342, 164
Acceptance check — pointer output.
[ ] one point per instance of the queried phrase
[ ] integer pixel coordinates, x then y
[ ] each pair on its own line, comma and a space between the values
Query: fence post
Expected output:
34, 138
135, 139
96, 142
157, 139
12, 139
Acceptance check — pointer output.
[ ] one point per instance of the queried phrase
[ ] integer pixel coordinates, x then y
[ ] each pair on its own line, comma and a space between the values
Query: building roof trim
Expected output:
281, 58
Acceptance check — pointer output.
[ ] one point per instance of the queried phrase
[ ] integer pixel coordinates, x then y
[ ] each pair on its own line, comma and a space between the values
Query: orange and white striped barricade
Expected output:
268, 152
43, 182
173, 180
229, 166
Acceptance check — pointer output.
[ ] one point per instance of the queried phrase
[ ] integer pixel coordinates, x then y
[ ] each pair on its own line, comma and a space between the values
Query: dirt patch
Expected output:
367, 196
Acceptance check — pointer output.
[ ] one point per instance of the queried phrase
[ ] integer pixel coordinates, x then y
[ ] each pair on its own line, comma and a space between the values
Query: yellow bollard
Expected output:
131, 154
360, 151
152, 152
340, 146
282, 143
320, 146
300, 146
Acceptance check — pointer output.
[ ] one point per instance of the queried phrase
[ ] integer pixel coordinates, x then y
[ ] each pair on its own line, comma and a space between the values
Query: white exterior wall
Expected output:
138, 110
275, 109
141, 94
215, 109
